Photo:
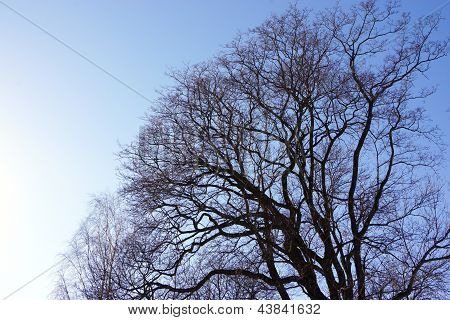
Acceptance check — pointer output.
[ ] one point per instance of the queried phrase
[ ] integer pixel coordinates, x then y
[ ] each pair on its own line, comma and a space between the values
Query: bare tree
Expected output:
89, 268
297, 163
300, 157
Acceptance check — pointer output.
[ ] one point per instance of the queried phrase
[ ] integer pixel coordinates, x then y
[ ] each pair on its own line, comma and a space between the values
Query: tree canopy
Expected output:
299, 162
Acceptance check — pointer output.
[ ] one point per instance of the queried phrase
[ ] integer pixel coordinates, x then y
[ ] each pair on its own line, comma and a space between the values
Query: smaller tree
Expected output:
88, 271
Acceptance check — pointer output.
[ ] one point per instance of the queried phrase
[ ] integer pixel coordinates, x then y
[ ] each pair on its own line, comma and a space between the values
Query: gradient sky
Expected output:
61, 119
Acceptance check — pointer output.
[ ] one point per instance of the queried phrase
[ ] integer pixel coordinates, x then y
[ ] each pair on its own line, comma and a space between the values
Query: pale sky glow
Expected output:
61, 120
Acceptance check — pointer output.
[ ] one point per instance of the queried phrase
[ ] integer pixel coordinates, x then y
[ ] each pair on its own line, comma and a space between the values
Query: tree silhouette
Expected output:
297, 163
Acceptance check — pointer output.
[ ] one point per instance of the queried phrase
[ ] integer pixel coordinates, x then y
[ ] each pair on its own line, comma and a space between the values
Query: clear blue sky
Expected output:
61, 119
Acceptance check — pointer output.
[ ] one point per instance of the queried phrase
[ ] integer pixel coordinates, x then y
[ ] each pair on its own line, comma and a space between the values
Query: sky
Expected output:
62, 121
